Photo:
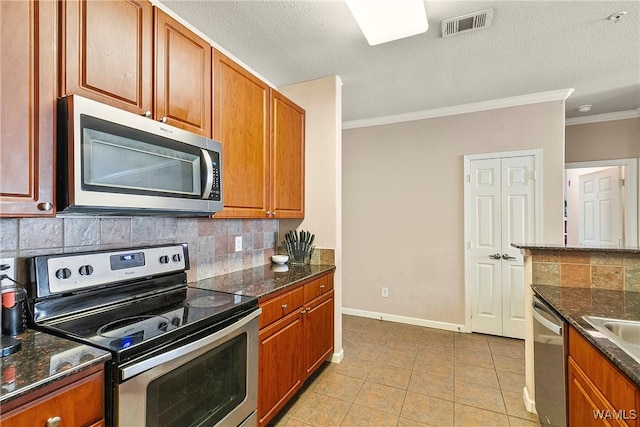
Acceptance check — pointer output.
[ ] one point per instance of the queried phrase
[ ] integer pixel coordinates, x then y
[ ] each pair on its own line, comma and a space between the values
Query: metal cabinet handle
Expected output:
508, 257
164, 119
495, 256
53, 422
45, 206
303, 312
273, 213
321, 286
147, 113
268, 213
284, 306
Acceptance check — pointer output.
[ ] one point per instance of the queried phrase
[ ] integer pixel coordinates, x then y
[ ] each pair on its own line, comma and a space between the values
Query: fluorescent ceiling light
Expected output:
382, 21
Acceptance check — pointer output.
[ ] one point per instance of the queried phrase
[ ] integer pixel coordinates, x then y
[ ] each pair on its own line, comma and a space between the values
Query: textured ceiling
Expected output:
531, 46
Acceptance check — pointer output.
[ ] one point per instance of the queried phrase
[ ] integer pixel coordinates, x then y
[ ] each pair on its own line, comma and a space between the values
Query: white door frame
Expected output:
631, 228
537, 154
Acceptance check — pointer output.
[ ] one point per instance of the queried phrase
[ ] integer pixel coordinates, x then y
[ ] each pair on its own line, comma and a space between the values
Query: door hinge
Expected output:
621, 182
469, 178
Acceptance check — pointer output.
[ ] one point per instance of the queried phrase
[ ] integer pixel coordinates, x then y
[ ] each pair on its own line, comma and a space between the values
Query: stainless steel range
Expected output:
181, 356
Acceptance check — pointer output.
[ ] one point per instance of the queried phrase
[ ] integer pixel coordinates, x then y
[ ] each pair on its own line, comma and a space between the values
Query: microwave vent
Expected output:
466, 23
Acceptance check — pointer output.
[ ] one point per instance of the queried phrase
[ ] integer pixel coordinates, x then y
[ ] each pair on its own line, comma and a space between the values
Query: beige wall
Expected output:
322, 101
618, 139
403, 207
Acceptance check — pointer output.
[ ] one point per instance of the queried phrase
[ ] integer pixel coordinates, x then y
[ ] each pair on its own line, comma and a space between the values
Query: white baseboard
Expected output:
529, 404
407, 320
337, 357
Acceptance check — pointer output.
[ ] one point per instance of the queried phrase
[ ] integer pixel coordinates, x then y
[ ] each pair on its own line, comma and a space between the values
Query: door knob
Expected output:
495, 256
508, 257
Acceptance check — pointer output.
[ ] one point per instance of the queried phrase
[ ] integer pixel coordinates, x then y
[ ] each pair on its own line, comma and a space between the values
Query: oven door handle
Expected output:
152, 362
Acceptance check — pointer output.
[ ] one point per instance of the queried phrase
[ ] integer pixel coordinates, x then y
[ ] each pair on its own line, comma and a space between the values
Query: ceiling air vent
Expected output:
465, 23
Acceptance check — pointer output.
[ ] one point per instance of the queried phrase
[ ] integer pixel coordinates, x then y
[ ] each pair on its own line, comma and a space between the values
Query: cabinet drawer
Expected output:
614, 385
317, 287
278, 307
78, 404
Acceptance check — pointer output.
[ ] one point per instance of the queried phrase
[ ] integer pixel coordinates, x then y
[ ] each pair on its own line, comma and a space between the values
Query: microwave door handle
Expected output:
208, 185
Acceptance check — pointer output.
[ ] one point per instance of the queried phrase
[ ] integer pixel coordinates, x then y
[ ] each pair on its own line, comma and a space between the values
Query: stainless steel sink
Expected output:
623, 333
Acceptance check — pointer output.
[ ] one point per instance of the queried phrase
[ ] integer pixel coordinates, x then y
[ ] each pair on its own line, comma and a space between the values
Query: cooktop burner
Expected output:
210, 301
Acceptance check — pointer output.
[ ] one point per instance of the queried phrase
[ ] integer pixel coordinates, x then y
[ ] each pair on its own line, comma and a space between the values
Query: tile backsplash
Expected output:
211, 241
601, 270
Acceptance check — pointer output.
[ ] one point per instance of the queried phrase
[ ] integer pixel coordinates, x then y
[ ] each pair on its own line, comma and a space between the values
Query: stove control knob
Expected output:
86, 270
177, 258
164, 259
163, 326
175, 321
63, 273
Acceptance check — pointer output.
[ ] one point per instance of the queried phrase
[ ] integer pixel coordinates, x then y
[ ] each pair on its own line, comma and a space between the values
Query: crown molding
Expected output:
514, 101
607, 117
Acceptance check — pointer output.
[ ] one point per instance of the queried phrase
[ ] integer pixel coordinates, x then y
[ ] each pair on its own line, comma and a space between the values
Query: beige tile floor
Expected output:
403, 375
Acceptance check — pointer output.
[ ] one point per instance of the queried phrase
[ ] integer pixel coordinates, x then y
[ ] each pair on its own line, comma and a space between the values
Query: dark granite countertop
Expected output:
573, 303
568, 248
44, 358
262, 281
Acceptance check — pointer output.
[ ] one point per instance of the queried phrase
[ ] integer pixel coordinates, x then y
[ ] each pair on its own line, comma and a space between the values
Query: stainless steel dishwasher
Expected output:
550, 364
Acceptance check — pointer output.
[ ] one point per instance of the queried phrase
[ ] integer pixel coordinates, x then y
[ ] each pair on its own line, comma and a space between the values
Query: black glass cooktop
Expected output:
152, 321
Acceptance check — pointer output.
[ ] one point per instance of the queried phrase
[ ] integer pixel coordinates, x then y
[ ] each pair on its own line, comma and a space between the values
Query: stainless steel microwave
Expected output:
111, 161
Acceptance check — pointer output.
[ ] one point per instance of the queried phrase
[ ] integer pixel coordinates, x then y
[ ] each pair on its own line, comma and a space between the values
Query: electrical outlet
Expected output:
10, 271
384, 292
238, 243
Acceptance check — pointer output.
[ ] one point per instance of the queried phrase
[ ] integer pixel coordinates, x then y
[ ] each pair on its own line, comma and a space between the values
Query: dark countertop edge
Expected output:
565, 248
293, 283
210, 283
611, 351
5, 397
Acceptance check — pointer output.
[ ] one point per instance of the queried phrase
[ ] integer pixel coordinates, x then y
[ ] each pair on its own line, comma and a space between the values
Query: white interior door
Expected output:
502, 208
601, 218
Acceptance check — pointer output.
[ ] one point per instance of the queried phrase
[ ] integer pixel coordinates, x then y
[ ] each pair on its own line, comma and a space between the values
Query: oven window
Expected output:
203, 391
116, 158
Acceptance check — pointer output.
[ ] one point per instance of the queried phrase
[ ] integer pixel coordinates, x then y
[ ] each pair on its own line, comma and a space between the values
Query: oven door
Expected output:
209, 382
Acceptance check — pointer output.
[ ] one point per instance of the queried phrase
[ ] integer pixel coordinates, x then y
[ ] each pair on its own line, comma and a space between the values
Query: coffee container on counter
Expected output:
14, 311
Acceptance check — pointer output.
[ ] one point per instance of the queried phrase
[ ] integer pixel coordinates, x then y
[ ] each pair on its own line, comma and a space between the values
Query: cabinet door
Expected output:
241, 112
27, 107
287, 157
79, 404
279, 374
108, 52
318, 332
183, 76
586, 402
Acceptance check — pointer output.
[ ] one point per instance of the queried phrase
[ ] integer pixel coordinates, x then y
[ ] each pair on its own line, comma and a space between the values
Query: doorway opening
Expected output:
601, 203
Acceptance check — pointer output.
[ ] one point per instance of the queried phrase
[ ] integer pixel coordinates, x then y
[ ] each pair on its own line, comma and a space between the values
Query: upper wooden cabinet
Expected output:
28, 55
241, 116
108, 55
262, 136
287, 157
183, 77
108, 52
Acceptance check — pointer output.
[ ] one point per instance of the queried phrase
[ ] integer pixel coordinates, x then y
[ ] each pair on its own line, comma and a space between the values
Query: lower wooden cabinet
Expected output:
296, 337
78, 402
599, 394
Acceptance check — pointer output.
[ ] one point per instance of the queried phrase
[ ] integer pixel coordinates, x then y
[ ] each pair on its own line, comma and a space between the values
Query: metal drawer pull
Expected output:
163, 120
147, 113
508, 257
495, 256
321, 286
284, 306
53, 422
